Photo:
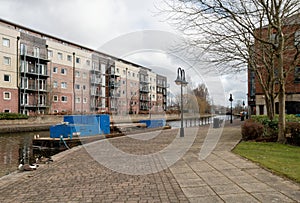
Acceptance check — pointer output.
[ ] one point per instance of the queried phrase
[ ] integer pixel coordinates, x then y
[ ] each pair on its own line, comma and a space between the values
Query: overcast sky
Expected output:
92, 23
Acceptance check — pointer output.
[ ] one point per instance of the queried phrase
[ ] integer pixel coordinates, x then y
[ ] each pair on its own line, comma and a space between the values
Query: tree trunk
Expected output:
270, 105
281, 119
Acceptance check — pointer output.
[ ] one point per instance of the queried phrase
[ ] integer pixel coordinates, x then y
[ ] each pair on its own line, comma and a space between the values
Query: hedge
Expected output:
12, 116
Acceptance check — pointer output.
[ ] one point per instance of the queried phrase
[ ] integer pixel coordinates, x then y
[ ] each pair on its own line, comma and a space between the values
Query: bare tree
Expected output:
240, 34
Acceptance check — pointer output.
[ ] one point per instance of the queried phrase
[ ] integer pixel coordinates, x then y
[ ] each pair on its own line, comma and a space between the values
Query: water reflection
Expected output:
13, 147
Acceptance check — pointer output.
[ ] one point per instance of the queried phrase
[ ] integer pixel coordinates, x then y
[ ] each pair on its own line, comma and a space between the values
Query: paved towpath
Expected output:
77, 176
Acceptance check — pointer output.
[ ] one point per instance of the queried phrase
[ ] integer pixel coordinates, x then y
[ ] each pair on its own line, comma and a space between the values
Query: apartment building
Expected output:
8, 70
42, 74
256, 97
128, 91
161, 88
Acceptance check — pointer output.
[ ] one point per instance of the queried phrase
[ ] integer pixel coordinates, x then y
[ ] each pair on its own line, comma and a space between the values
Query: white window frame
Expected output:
6, 111
55, 84
6, 60
77, 74
5, 42
63, 71
55, 100
50, 53
60, 56
78, 100
63, 85
9, 95
62, 99
69, 58
55, 69
9, 78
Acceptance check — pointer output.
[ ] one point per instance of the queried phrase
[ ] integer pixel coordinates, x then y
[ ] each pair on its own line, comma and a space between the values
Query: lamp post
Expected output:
182, 82
230, 99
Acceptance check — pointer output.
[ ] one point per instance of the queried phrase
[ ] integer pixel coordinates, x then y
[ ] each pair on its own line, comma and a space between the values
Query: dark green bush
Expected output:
12, 116
293, 133
252, 130
270, 126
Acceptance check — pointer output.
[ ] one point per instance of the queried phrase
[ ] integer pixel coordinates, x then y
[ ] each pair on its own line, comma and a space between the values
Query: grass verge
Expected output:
282, 159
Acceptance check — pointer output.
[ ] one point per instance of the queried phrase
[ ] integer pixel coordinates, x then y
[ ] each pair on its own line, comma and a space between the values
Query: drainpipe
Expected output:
18, 76
74, 96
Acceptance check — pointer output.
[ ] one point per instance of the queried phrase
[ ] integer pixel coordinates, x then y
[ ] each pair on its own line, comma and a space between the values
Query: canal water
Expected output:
14, 147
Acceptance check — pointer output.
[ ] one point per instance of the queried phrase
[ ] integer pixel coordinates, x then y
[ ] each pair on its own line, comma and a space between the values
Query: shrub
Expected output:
12, 116
270, 126
293, 133
252, 130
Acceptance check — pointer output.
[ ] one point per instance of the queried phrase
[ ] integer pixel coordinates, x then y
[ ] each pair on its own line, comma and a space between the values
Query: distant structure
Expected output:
42, 74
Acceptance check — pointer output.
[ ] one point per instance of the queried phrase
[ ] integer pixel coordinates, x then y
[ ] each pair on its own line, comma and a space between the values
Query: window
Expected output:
77, 100
77, 87
60, 56
297, 38
77, 74
6, 60
23, 49
55, 84
7, 78
297, 74
6, 95
55, 111
50, 53
117, 70
84, 75
83, 87
77, 60
64, 98
6, 111
84, 100
133, 74
69, 58
63, 71
36, 51
55, 69
24, 98
5, 42
88, 62
64, 85
55, 98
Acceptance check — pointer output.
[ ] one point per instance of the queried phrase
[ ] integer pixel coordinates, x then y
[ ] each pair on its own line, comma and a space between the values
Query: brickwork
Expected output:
11, 104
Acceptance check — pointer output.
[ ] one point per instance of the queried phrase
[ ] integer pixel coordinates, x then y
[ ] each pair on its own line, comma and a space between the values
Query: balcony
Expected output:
40, 71
144, 99
114, 84
96, 81
96, 93
41, 57
146, 90
115, 95
34, 88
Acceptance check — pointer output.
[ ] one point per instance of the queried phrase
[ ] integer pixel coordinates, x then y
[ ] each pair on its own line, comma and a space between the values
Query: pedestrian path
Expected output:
76, 175
224, 176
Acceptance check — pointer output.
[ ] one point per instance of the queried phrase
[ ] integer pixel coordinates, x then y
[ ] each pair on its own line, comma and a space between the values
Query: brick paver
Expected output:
75, 176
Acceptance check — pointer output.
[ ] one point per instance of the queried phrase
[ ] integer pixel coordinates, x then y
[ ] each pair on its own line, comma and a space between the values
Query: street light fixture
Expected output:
182, 82
230, 99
